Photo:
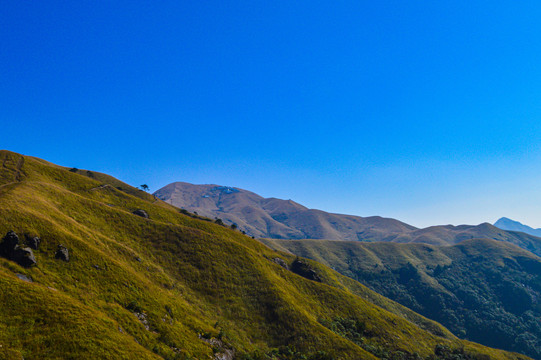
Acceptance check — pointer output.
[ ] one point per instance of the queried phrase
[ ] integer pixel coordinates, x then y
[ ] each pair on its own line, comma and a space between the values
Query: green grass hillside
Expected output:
172, 286
483, 290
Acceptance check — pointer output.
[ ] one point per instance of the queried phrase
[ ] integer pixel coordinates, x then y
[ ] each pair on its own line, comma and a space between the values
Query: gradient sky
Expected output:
425, 111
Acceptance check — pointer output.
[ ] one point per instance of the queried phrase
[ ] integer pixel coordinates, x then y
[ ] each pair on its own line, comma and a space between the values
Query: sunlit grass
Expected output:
184, 276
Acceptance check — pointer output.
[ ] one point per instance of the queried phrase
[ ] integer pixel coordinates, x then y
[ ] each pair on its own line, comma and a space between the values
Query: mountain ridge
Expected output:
270, 217
285, 219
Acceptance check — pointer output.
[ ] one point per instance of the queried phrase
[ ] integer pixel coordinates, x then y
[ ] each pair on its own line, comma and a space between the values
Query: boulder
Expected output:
33, 242
24, 277
281, 262
8, 244
304, 269
23, 256
141, 213
10, 249
62, 253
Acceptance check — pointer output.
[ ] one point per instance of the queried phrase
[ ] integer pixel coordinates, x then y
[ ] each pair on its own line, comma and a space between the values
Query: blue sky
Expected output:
425, 111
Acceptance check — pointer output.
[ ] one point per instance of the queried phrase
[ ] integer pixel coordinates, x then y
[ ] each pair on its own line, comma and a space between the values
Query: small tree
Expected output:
144, 187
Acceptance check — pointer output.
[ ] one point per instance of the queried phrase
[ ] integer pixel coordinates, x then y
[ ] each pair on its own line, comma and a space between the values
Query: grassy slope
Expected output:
186, 276
484, 290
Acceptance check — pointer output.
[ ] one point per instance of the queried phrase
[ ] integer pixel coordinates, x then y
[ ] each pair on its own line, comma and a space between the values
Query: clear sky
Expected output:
425, 111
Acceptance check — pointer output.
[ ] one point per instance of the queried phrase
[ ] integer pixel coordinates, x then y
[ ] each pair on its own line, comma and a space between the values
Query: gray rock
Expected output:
8, 244
304, 269
10, 249
23, 256
141, 213
33, 242
62, 253
227, 354
143, 319
24, 277
281, 262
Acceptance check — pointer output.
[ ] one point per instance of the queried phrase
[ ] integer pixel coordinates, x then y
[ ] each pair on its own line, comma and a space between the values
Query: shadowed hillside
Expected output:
483, 290
119, 275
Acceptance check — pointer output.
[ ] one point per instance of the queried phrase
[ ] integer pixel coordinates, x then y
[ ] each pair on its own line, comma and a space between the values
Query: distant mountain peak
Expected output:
505, 223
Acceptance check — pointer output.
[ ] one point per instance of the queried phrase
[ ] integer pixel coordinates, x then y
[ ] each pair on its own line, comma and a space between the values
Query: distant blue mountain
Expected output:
512, 225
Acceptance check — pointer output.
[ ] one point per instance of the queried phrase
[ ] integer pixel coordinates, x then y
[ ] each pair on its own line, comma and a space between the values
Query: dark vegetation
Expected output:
355, 331
482, 290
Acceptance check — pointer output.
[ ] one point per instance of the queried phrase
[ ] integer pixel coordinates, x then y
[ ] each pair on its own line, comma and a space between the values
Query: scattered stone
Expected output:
24, 277
223, 353
143, 319
227, 354
97, 267
141, 213
304, 269
138, 259
281, 262
33, 242
62, 253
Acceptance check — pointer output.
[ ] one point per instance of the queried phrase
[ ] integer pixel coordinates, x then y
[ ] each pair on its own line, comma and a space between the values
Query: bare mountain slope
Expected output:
275, 218
286, 219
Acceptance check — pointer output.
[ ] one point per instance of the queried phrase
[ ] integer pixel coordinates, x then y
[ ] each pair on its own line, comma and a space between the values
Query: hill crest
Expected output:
285, 219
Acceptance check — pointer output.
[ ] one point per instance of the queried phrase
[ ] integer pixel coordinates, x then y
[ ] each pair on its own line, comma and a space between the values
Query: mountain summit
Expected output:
512, 225
275, 218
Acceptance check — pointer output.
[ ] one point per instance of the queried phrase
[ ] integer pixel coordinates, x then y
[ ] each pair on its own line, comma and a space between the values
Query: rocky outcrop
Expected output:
9, 242
141, 213
24, 256
281, 262
223, 352
62, 253
10, 249
304, 269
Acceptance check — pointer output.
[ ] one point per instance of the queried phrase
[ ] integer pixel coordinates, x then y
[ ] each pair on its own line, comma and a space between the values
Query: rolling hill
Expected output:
482, 290
110, 272
285, 219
